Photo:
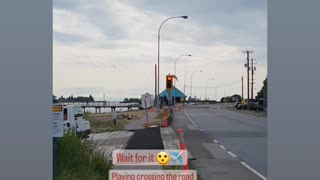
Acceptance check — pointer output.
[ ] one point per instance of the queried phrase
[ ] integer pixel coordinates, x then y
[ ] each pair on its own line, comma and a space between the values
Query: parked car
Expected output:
237, 103
256, 105
242, 105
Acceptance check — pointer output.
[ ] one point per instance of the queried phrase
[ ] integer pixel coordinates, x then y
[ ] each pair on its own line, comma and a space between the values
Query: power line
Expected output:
215, 86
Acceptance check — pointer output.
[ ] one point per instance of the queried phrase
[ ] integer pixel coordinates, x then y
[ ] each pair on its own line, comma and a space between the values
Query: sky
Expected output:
109, 48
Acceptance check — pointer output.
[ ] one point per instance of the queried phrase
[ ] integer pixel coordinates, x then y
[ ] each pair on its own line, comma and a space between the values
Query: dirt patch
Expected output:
103, 122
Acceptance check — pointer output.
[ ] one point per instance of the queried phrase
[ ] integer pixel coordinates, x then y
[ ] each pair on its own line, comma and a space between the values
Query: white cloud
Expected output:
117, 49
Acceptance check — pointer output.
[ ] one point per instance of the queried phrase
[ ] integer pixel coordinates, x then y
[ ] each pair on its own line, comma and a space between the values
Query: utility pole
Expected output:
155, 86
242, 87
252, 72
248, 80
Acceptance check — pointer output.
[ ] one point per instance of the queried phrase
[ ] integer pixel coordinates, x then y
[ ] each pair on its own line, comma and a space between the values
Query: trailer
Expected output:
73, 119
147, 101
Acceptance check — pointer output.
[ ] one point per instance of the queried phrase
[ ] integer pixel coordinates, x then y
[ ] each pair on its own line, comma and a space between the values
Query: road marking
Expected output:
215, 141
189, 118
222, 147
202, 114
233, 155
253, 170
192, 121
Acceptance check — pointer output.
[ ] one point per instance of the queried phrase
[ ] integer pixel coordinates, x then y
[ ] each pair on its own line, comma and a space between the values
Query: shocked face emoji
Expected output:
163, 158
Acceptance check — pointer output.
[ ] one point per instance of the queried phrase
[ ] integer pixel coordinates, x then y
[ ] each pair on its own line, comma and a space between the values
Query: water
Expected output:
105, 110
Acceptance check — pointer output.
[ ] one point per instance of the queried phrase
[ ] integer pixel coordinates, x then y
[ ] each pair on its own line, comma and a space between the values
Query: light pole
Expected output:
175, 62
184, 17
175, 65
205, 98
191, 81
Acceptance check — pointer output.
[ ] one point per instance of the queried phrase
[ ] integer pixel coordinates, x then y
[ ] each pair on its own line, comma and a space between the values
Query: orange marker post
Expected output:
182, 146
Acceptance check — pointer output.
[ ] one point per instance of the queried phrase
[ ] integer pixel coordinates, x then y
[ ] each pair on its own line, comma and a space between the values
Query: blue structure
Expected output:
176, 94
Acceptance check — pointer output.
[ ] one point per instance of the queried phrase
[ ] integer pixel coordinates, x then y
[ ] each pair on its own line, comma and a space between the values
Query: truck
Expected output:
73, 119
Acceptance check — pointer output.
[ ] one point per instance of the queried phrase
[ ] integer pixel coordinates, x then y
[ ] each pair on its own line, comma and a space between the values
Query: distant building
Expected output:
176, 94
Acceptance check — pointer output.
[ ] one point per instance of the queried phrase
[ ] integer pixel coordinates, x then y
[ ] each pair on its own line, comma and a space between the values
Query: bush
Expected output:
77, 160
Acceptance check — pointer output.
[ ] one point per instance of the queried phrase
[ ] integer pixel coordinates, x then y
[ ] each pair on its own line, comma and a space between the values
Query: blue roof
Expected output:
175, 92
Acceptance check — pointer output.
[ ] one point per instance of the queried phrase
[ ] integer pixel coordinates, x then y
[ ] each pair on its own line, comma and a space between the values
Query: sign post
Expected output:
114, 115
57, 132
145, 102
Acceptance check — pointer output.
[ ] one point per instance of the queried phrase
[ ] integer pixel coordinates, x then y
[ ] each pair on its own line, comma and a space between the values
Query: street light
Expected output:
205, 98
191, 80
175, 63
184, 17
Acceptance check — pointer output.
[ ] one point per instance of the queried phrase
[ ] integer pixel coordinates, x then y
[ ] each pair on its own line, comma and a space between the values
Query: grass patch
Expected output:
77, 160
159, 116
103, 122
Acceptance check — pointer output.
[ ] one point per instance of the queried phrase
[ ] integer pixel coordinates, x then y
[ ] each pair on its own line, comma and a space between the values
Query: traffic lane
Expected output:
245, 140
216, 112
219, 122
252, 150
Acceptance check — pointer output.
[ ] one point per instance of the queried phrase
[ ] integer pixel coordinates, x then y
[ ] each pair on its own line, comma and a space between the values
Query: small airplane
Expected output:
177, 156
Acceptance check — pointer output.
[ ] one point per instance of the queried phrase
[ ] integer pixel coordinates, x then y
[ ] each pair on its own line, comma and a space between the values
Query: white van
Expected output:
73, 118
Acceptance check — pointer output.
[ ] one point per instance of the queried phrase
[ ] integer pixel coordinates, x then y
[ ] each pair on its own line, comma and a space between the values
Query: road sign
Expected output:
57, 120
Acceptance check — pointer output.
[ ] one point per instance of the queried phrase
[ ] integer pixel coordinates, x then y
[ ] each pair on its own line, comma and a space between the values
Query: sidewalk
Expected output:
211, 161
138, 124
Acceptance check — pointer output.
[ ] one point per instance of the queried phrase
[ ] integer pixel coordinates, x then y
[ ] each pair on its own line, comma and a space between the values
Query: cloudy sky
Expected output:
110, 46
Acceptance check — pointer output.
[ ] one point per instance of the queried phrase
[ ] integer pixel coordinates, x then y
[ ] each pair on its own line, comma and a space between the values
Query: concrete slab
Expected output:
109, 141
171, 141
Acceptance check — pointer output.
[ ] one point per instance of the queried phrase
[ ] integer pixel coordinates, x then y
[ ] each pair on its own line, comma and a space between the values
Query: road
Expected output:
245, 135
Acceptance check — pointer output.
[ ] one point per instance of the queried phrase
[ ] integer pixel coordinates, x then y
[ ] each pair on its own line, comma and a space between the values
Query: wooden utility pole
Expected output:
248, 76
252, 72
155, 86
241, 87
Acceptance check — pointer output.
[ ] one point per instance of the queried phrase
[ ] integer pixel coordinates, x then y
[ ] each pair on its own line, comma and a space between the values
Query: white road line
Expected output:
233, 155
253, 170
215, 141
222, 147
189, 118
192, 121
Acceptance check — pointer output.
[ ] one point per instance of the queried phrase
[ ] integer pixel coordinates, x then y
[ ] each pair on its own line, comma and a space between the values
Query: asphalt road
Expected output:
245, 135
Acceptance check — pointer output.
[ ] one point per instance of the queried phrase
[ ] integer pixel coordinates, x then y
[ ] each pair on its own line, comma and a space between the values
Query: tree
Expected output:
91, 98
260, 93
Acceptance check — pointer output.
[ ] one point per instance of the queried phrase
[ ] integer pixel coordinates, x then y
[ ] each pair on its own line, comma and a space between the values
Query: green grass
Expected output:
77, 160
103, 123
159, 116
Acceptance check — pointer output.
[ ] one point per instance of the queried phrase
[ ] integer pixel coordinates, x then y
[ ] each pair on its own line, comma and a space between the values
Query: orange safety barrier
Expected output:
182, 146
165, 117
